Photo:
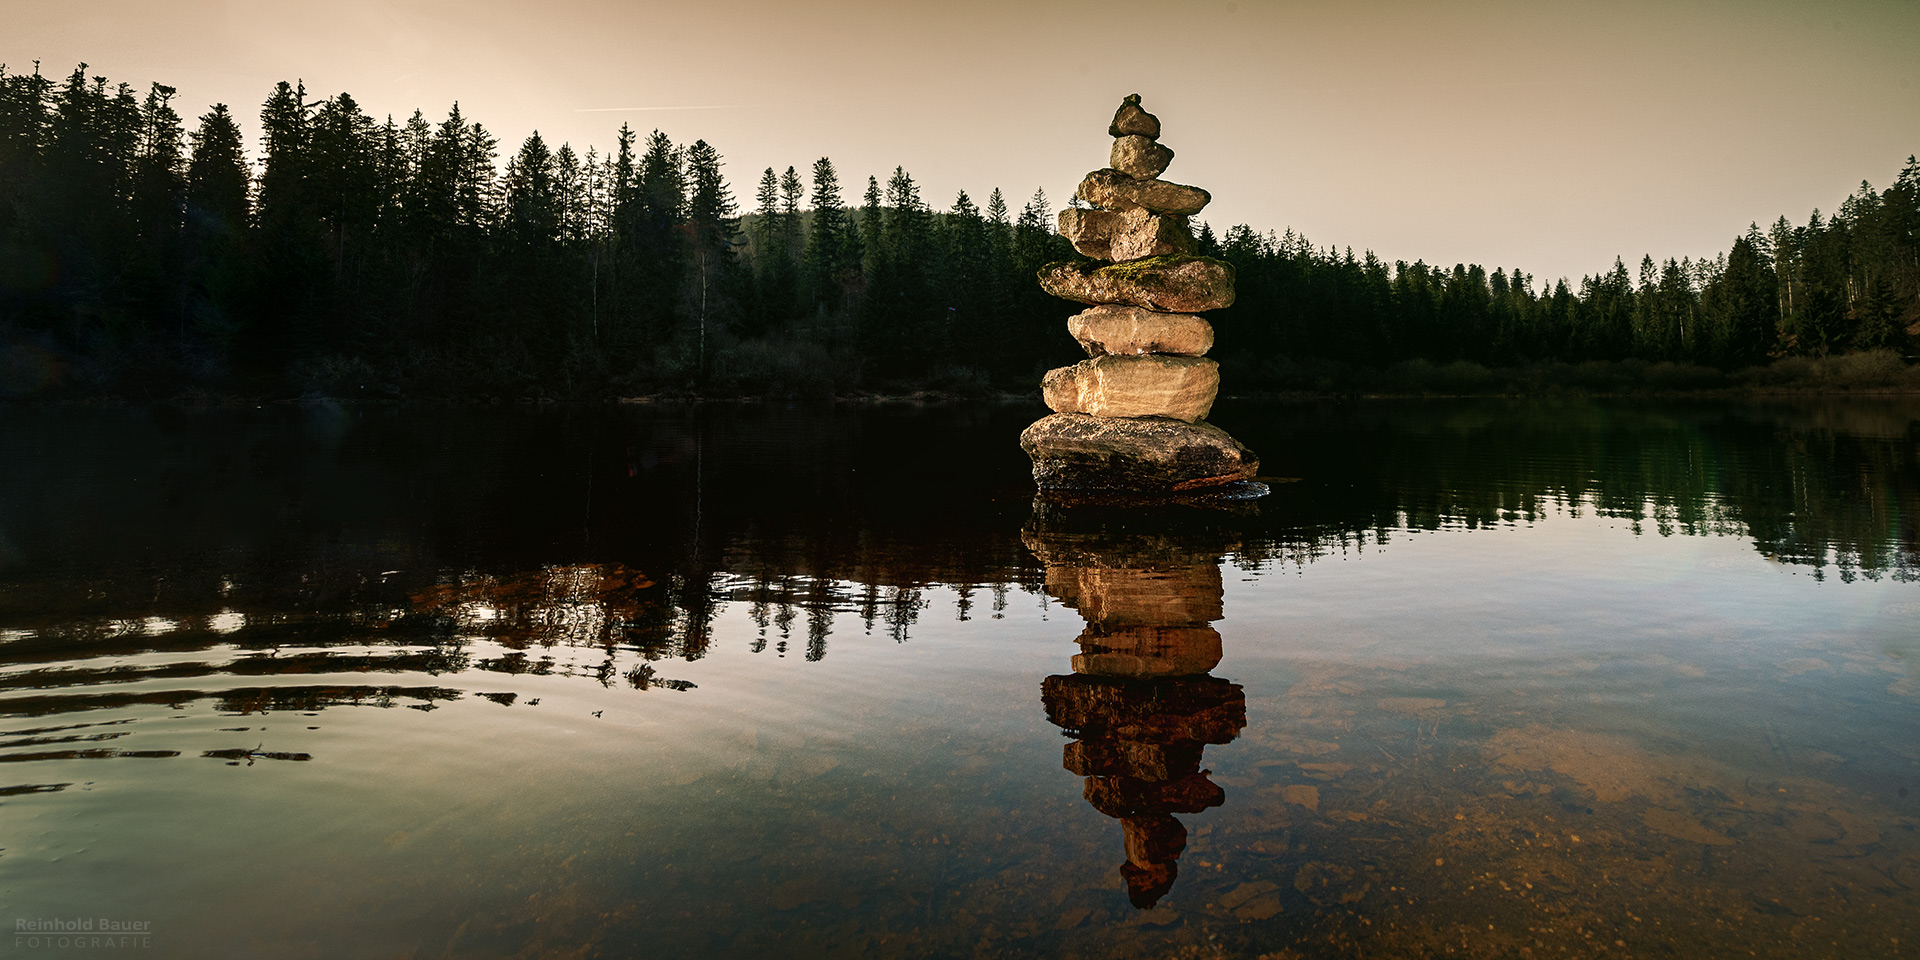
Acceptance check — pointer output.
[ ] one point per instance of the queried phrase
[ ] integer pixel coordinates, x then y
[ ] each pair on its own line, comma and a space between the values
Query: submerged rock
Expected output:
1133, 120
1155, 838
1174, 284
1146, 386
1126, 234
1132, 758
1110, 189
1118, 599
1126, 331
1148, 652
1165, 710
1146, 885
1127, 797
1139, 157
1073, 451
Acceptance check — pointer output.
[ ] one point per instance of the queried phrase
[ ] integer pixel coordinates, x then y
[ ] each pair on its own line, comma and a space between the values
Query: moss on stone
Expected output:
1140, 269
1143, 270
1082, 267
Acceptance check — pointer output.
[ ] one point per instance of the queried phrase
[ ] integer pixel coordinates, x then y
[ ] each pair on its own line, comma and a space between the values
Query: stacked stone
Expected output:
1133, 416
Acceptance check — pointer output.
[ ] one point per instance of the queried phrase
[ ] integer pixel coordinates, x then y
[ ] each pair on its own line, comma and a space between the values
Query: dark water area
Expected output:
1477, 678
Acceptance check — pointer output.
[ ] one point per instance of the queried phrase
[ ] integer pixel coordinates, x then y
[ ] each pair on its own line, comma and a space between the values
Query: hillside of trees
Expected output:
359, 257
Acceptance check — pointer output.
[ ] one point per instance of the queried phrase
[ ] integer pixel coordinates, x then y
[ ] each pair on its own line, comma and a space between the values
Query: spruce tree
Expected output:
570, 195
826, 242
713, 229
871, 227
216, 219
159, 186
1877, 326
961, 272
772, 257
24, 117
657, 249
158, 205
284, 133
344, 182
291, 283
766, 217
533, 212
217, 178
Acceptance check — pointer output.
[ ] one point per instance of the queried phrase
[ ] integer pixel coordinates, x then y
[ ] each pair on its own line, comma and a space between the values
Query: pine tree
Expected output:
907, 220
570, 196
25, 114
626, 176
1748, 304
215, 223
535, 294
788, 238
663, 186
285, 121
826, 243
217, 178
1605, 329
871, 229
712, 283
1876, 325
1002, 271
772, 258
766, 221
1208, 245
656, 247
344, 182
24, 122
158, 209
478, 149
290, 284
1030, 233
791, 191
159, 186
80, 215
960, 278
966, 248
533, 212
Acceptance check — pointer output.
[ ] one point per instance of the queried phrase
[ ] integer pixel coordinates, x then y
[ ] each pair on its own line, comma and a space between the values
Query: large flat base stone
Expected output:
1074, 451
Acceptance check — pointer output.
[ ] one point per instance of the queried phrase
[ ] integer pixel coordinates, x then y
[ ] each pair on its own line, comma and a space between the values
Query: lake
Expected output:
1478, 678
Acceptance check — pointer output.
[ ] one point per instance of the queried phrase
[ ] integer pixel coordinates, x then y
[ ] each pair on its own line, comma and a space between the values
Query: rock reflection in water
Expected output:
1141, 702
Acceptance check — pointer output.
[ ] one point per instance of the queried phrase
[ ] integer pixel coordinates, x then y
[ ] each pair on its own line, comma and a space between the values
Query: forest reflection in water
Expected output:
1487, 677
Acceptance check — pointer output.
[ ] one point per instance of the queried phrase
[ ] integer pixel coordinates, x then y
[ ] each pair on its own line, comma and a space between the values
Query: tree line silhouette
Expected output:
359, 257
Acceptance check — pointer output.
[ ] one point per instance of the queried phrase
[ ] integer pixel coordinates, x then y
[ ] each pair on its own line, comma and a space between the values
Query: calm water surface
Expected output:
1478, 678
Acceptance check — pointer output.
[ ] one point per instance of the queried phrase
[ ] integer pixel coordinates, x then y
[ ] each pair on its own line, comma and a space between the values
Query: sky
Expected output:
1549, 137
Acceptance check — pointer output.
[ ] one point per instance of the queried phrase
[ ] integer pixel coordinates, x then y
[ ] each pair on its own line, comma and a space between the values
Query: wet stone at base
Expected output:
1074, 451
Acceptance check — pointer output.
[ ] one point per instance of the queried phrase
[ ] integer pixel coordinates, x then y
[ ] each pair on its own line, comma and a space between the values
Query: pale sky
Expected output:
1545, 136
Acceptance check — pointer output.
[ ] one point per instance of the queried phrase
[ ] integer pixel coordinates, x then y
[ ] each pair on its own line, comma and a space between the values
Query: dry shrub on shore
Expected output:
1867, 370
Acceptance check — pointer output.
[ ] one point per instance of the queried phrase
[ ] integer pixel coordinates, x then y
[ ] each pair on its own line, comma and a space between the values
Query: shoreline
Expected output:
936, 398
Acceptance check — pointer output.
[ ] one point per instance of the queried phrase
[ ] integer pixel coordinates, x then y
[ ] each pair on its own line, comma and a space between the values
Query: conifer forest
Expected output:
350, 254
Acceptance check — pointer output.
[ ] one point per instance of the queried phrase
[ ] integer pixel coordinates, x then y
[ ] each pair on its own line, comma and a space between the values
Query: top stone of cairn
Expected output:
1131, 120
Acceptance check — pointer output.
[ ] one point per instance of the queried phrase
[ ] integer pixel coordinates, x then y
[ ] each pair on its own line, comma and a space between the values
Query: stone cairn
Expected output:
1133, 417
